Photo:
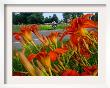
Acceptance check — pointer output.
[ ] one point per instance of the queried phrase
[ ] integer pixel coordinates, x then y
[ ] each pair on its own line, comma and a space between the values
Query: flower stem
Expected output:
50, 71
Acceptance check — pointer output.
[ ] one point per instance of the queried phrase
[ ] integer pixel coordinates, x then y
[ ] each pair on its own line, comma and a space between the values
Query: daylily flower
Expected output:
40, 69
85, 53
75, 39
17, 36
35, 29
53, 56
44, 58
78, 25
61, 50
69, 72
90, 70
56, 53
26, 33
41, 56
78, 33
79, 44
53, 37
31, 57
85, 22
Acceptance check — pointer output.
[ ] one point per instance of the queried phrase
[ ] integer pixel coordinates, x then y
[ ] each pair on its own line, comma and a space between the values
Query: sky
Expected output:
59, 15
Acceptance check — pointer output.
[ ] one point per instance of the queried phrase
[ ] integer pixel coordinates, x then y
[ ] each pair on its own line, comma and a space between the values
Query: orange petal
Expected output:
75, 39
53, 56
70, 72
85, 52
42, 54
34, 27
87, 16
61, 50
89, 24
17, 35
31, 57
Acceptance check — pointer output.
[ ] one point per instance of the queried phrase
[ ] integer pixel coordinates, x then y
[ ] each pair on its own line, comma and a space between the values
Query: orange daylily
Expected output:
90, 70
53, 37
41, 56
69, 72
85, 52
31, 57
26, 33
86, 22
78, 33
44, 58
55, 53
61, 50
78, 25
75, 39
17, 36
53, 56
83, 22
34, 27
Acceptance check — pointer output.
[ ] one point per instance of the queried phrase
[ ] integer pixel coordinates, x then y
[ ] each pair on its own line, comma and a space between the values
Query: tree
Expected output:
48, 19
55, 18
17, 18
27, 18
76, 14
68, 15
35, 18
24, 16
95, 17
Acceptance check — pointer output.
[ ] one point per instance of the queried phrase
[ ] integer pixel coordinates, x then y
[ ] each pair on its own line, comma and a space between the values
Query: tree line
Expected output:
38, 18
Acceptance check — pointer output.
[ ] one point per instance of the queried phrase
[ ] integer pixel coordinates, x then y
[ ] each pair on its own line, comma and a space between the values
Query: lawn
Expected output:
42, 27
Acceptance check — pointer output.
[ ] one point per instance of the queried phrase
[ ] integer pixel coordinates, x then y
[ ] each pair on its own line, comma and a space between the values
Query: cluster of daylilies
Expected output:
57, 55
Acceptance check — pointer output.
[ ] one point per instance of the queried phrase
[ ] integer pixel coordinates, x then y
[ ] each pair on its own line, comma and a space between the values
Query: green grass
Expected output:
15, 28
61, 26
